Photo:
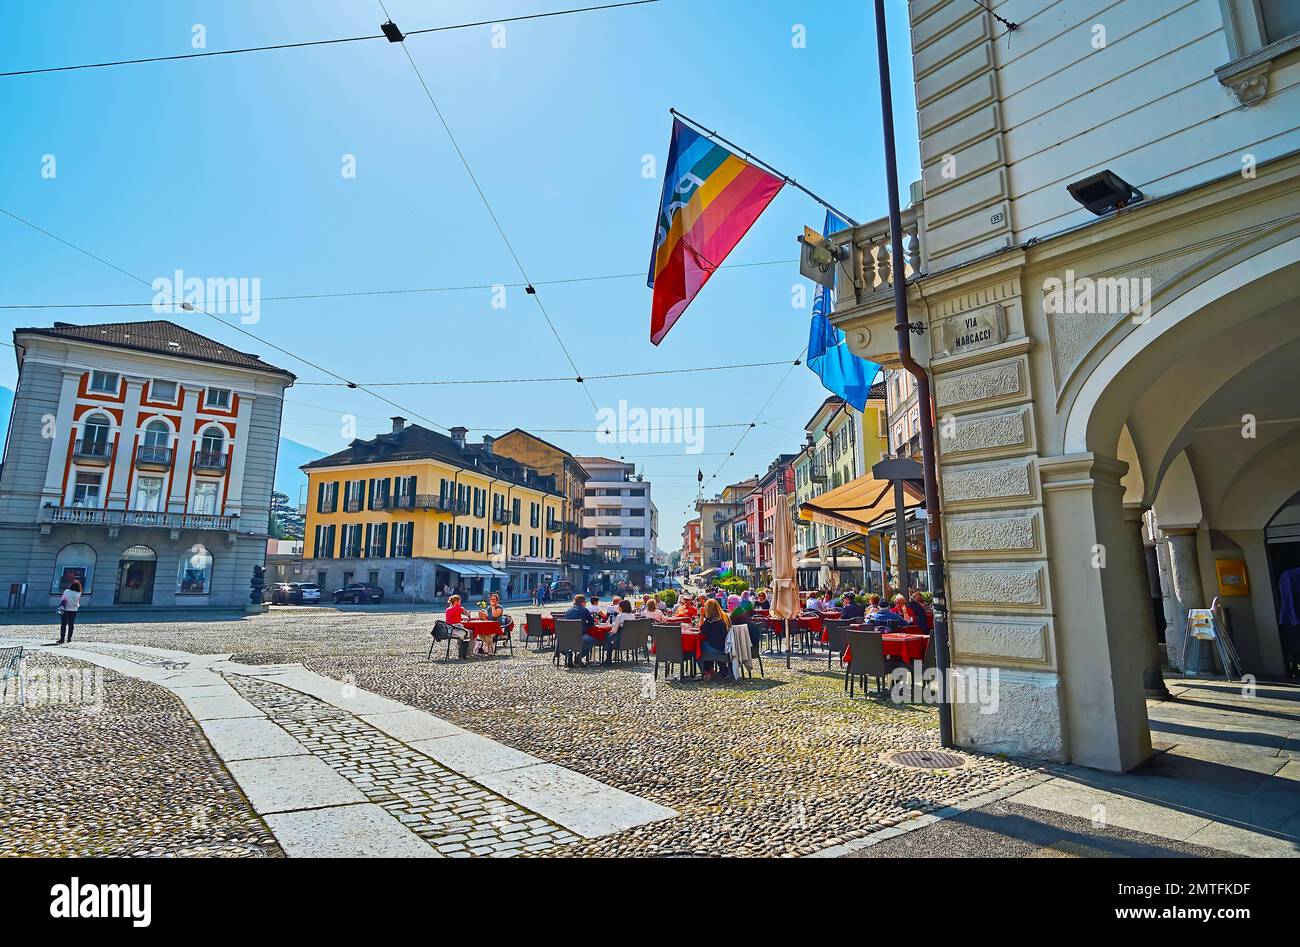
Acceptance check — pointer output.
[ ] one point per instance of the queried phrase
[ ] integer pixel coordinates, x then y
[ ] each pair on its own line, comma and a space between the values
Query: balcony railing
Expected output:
353, 506
869, 270
153, 456
93, 450
90, 516
501, 516
817, 472
407, 502
210, 460
554, 526
765, 537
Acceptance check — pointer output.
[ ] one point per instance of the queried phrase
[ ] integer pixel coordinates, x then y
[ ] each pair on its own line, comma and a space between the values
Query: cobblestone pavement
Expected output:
105, 765
782, 765
458, 817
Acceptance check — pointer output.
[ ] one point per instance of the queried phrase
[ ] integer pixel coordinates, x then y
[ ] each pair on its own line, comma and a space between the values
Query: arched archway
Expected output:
135, 576
1199, 402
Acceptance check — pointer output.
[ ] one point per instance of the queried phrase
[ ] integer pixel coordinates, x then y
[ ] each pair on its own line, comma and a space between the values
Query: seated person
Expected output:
851, 610
761, 603
614, 637
713, 647
922, 616
903, 610
886, 618
652, 609
454, 617
486, 644
814, 603
686, 609
579, 611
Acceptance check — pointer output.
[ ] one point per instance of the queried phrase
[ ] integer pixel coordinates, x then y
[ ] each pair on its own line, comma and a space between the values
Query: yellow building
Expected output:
571, 478
418, 514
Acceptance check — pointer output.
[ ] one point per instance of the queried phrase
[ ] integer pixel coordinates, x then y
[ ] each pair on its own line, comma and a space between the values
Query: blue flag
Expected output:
842, 373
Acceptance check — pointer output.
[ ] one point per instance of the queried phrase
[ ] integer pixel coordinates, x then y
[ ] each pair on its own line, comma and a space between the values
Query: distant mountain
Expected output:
289, 480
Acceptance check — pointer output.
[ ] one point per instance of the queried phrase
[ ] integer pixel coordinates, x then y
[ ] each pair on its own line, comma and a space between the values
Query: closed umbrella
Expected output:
785, 586
824, 577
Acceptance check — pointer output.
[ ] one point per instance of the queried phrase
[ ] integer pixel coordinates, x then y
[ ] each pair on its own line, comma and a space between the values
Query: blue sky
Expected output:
230, 166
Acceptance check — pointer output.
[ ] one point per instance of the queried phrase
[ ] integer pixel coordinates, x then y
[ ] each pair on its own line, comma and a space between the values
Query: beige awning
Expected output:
858, 504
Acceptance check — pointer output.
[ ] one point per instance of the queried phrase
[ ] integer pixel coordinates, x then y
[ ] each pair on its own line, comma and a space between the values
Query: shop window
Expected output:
74, 561
194, 574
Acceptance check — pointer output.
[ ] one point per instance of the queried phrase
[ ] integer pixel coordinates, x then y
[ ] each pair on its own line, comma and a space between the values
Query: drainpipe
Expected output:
934, 533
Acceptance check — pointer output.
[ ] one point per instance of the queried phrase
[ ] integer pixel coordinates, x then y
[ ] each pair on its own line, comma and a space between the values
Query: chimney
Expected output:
398, 423
488, 441
458, 436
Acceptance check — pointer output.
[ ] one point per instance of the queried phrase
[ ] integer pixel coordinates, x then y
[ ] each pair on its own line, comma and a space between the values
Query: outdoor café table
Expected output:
812, 623
905, 646
548, 624
830, 613
692, 642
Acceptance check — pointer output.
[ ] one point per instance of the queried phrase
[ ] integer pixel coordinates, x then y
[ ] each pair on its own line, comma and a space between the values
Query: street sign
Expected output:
817, 258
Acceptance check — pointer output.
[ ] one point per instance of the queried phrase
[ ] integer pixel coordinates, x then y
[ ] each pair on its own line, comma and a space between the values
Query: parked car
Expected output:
293, 593
561, 590
359, 593
280, 593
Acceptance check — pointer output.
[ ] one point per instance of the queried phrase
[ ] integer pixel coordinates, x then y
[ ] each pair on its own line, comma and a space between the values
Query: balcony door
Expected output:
135, 573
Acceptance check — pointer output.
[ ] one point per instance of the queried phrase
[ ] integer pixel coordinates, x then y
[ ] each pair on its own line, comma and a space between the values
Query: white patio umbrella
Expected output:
824, 575
785, 584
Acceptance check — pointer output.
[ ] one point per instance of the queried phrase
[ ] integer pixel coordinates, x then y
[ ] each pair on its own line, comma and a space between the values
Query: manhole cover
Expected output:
927, 759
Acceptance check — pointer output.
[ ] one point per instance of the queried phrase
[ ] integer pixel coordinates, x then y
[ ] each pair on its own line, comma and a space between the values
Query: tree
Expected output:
285, 522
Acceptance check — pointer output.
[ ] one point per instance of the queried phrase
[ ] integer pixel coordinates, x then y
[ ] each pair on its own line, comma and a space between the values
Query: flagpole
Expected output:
763, 164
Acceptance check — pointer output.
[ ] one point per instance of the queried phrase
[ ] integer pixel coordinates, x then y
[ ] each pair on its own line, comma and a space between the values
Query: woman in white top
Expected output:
652, 609
623, 614
68, 605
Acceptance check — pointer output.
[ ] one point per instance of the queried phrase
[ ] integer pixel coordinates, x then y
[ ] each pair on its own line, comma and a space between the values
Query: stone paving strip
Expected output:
339, 771
455, 815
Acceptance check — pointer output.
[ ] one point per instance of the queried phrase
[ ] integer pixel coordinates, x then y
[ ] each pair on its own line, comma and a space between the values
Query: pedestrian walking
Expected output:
69, 603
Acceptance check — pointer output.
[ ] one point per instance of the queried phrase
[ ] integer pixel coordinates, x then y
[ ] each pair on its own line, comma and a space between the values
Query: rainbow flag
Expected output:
711, 198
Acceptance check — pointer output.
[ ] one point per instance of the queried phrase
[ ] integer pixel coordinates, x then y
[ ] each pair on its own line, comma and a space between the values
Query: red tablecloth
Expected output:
811, 623
830, 613
548, 626
483, 629
901, 645
692, 642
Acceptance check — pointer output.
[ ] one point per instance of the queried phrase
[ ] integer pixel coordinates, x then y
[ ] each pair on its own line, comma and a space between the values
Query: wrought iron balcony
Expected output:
92, 516
93, 451
159, 458
817, 473
407, 502
211, 461
501, 516
353, 506
554, 526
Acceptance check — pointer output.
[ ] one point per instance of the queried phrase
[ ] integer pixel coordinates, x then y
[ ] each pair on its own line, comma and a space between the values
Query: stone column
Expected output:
1185, 578
1144, 625
1094, 582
